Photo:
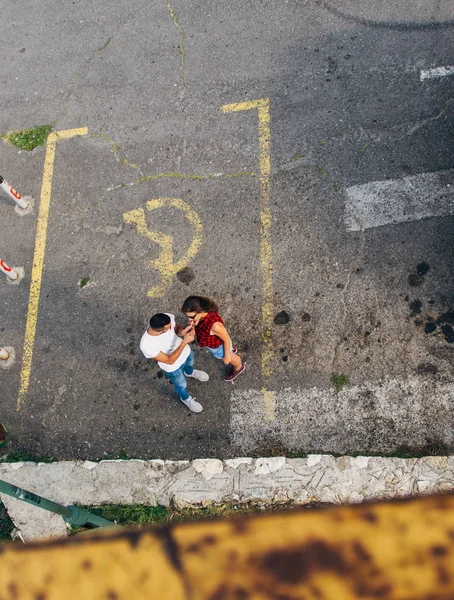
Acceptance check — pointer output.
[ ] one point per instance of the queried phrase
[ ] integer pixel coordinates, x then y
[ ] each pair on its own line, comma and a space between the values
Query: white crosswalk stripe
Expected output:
379, 203
436, 73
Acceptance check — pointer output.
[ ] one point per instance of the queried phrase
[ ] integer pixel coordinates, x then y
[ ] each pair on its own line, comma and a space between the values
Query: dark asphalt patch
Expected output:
186, 275
282, 318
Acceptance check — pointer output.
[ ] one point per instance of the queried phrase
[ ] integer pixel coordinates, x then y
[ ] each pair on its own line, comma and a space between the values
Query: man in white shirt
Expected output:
173, 354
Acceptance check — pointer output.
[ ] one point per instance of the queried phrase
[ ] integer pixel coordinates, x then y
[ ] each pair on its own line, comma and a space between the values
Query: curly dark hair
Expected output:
199, 304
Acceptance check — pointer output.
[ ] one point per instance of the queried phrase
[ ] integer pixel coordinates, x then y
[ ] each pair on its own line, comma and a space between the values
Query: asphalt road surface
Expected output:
316, 207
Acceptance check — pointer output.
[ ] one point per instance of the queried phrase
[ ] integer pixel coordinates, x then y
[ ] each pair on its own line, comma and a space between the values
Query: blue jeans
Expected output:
178, 377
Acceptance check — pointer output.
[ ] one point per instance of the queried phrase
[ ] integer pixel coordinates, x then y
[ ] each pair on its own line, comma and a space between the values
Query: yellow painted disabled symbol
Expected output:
165, 264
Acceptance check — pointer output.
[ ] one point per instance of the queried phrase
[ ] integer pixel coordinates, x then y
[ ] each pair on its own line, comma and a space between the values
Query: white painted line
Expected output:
379, 203
436, 73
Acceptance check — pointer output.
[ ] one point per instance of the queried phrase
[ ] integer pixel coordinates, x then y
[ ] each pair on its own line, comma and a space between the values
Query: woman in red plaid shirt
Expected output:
211, 333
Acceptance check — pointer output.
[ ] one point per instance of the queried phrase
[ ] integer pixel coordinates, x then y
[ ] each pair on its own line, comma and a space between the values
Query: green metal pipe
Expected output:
73, 515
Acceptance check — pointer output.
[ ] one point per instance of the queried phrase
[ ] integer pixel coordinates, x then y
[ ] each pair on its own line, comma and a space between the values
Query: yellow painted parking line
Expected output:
38, 257
266, 255
165, 264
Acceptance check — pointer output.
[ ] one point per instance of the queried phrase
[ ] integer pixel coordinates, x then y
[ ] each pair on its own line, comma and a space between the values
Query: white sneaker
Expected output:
200, 375
193, 405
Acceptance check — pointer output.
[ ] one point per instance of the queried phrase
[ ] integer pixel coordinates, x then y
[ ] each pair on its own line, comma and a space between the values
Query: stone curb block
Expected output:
310, 480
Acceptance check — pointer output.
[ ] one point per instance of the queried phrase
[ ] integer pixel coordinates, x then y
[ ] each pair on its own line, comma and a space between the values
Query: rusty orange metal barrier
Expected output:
394, 550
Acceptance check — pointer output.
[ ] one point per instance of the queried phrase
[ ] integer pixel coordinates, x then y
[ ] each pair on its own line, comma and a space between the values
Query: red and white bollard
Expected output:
12, 192
9, 272
4, 355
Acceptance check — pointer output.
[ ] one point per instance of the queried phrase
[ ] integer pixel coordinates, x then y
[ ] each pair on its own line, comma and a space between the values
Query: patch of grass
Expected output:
22, 455
83, 282
130, 515
240, 174
336, 186
193, 176
6, 525
321, 170
363, 149
196, 177
108, 139
431, 448
28, 139
339, 380
123, 455
297, 156
159, 175
125, 161
299, 454
104, 45
120, 454
140, 515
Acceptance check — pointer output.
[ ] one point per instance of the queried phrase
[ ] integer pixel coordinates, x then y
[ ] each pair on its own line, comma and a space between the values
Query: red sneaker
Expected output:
234, 374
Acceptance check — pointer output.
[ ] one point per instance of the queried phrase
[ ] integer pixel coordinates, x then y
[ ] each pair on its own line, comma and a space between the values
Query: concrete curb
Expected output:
315, 479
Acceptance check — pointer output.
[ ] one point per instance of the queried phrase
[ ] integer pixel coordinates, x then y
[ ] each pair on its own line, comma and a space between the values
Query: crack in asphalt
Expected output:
76, 76
181, 44
175, 174
364, 137
182, 93
420, 124
353, 267
190, 176
115, 149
